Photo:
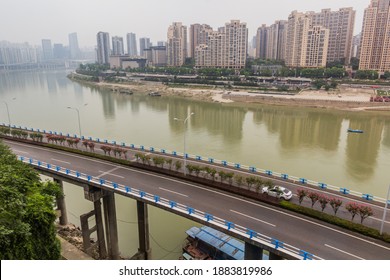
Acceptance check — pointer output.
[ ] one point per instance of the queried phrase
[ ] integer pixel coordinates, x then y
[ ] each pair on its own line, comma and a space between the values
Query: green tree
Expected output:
27, 229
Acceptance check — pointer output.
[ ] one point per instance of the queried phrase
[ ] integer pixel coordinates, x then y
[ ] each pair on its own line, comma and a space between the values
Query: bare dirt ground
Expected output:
345, 97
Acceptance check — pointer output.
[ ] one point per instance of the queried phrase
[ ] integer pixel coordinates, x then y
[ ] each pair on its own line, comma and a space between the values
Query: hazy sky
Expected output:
33, 20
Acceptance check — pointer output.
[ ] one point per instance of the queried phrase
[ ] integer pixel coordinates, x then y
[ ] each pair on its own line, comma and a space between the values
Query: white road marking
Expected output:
60, 161
352, 255
253, 218
205, 189
109, 172
173, 192
21, 152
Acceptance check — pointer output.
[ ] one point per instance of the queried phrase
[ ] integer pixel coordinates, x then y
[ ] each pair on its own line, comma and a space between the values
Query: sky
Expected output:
33, 20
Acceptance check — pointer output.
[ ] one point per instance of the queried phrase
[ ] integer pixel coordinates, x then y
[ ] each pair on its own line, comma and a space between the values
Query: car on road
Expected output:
278, 192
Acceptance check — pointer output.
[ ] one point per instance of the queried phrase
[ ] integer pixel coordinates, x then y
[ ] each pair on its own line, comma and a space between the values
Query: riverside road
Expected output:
321, 239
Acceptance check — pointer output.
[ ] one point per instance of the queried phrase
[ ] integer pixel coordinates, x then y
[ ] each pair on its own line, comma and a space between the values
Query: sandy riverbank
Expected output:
343, 98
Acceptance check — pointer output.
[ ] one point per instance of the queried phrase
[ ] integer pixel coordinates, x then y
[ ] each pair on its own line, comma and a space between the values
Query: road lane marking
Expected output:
109, 172
60, 160
208, 190
253, 218
173, 192
337, 249
21, 152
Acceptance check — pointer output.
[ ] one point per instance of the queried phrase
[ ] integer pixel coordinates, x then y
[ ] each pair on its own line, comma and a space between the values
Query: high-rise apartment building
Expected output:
47, 49
356, 45
74, 46
375, 41
198, 35
341, 25
276, 42
144, 43
118, 47
271, 41
236, 44
298, 26
176, 44
317, 47
307, 44
225, 48
131, 44
17, 54
261, 41
103, 47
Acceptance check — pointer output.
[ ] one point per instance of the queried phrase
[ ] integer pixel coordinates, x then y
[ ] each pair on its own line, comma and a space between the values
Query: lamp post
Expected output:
185, 132
385, 210
78, 116
6, 106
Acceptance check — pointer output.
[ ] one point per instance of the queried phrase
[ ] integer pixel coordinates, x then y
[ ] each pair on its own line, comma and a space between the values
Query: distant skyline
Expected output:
32, 21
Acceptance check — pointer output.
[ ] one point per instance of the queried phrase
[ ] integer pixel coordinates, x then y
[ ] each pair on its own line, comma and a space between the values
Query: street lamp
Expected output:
6, 106
185, 132
78, 116
385, 210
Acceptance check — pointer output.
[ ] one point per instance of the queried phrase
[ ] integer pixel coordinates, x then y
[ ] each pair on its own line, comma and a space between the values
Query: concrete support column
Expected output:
143, 230
253, 252
61, 204
100, 229
111, 226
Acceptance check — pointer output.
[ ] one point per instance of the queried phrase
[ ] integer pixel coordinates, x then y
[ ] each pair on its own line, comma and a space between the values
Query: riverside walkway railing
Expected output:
219, 223
209, 160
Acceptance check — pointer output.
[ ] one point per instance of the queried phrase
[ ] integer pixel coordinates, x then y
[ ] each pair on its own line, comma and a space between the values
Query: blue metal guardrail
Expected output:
252, 169
178, 207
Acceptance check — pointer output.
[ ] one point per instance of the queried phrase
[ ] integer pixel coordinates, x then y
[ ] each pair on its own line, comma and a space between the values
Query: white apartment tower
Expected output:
236, 44
103, 47
131, 44
271, 41
176, 44
225, 48
117, 46
198, 35
341, 25
297, 30
317, 47
375, 41
144, 43
73, 46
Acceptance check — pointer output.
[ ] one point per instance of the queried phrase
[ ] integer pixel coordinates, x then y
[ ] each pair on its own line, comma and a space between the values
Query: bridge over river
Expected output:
261, 226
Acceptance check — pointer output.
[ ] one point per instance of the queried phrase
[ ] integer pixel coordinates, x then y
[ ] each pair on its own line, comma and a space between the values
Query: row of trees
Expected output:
353, 208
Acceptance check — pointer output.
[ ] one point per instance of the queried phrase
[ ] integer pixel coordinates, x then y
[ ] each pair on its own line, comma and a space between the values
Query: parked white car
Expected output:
277, 191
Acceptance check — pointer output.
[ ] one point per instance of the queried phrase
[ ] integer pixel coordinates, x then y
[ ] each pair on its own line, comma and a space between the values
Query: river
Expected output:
304, 142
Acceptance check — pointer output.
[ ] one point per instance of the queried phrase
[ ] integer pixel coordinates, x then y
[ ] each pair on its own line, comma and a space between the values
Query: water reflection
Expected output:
362, 149
302, 128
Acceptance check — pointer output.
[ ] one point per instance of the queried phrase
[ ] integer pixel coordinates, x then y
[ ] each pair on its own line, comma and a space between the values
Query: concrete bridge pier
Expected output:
93, 194
61, 206
253, 252
143, 230
111, 225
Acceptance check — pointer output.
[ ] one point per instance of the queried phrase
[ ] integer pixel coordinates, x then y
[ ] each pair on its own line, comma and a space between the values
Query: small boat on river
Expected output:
155, 93
355, 130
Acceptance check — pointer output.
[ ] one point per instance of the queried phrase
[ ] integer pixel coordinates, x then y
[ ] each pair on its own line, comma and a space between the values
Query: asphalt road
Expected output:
320, 239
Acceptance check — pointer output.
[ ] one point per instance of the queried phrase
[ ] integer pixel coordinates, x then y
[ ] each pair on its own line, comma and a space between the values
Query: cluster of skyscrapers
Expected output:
225, 48
304, 39
308, 39
14, 55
